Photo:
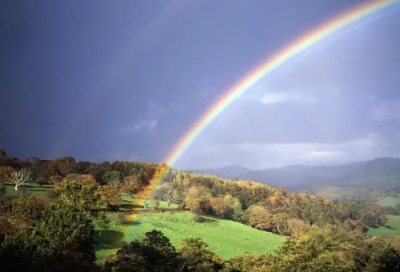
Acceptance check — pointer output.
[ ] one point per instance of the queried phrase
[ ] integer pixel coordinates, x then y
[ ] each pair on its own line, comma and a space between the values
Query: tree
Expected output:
88, 179
219, 207
281, 223
61, 167
154, 253
5, 172
20, 177
260, 218
23, 211
64, 239
197, 199
131, 185
309, 253
196, 256
109, 196
168, 193
80, 196
385, 260
112, 178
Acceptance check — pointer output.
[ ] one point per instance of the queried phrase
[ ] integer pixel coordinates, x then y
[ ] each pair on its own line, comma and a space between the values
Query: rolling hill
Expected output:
379, 174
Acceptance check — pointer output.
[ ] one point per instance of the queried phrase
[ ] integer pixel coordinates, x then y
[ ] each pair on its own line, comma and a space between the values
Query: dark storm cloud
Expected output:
78, 78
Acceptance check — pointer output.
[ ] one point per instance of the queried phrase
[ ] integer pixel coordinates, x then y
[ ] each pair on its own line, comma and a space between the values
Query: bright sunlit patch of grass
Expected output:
32, 188
226, 238
393, 228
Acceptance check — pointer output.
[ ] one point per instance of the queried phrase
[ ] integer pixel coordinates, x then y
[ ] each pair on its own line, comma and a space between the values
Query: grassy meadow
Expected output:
226, 238
389, 201
393, 228
32, 188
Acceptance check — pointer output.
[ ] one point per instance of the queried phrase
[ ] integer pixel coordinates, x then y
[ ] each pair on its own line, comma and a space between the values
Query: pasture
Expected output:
226, 238
393, 228
31, 188
389, 201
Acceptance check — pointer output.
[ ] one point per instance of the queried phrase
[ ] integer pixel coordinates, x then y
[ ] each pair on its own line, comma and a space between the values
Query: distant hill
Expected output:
229, 171
380, 174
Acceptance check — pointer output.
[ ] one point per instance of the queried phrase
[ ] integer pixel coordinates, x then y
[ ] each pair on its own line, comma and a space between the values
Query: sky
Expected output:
123, 80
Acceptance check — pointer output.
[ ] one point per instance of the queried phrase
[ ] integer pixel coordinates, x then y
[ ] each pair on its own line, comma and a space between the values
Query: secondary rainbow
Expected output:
299, 45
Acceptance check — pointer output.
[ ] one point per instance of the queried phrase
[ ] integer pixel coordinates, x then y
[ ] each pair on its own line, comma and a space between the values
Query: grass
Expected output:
226, 238
33, 188
393, 228
389, 201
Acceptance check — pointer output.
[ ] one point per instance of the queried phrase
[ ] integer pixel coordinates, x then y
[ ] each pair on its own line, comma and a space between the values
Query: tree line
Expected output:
58, 232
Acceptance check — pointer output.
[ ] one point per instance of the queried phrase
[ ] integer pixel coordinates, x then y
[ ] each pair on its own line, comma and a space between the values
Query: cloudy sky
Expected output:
123, 80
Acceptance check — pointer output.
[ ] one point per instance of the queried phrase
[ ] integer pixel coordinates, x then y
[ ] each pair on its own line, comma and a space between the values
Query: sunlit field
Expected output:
30, 188
226, 238
393, 228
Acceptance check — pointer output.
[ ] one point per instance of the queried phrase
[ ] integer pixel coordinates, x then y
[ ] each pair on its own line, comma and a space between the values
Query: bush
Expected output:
120, 218
52, 195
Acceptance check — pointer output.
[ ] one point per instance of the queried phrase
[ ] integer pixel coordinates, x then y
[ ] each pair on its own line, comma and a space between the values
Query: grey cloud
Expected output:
352, 82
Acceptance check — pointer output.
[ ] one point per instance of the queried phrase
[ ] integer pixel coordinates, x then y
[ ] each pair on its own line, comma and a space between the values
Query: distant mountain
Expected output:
229, 171
382, 173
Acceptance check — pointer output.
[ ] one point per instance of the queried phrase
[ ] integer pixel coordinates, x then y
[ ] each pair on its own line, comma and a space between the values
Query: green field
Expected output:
226, 238
389, 201
393, 228
32, 188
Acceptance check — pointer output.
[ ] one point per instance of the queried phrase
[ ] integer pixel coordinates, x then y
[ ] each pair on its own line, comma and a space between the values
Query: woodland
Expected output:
51, 212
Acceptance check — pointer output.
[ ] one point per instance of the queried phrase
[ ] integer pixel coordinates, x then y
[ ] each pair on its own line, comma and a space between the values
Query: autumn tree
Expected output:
219, 207
131, 185
280, 221
197, 199
88, 179
20, 177
73, 177
235, 211
260, 218
109, 196
5, 172
61, 167
23, 211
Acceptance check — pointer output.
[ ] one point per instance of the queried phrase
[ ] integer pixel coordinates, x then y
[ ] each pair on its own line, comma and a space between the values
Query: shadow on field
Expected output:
108, 238
133, 223
130, 206
202, 219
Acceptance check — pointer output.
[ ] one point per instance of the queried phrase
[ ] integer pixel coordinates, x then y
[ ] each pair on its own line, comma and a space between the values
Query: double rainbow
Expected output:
270, 64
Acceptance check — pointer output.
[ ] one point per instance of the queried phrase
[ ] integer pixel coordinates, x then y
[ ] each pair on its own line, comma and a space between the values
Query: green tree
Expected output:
386, 259
64, 239
154, 253
195, 256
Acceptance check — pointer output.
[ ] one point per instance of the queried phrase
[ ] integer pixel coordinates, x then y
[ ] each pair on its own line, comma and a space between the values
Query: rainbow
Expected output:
270, 64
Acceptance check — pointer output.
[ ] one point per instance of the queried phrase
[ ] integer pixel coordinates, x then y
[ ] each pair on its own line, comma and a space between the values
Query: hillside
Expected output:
229, 171
380, 173
226, 238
